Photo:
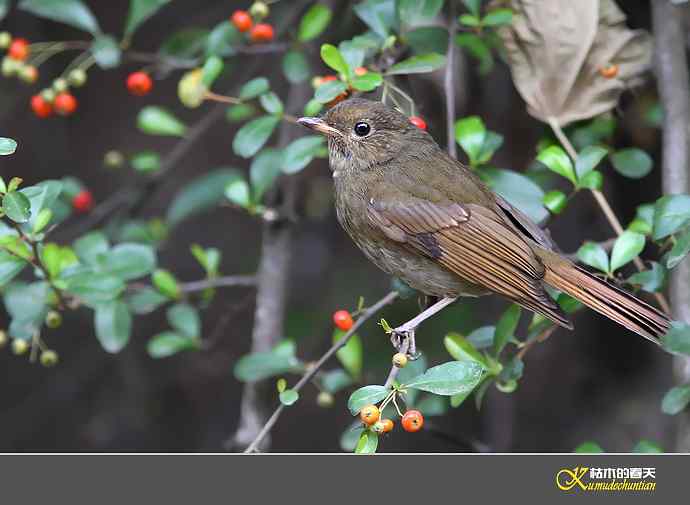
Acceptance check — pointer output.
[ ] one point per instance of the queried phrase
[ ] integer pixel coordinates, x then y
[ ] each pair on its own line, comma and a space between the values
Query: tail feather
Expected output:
609, 300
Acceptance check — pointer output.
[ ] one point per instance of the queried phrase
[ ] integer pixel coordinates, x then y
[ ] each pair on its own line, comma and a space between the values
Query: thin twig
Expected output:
219, 282
311, 372
605, 208
449, 82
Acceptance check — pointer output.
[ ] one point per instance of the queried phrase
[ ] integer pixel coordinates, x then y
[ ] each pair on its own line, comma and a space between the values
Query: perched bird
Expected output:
424, 217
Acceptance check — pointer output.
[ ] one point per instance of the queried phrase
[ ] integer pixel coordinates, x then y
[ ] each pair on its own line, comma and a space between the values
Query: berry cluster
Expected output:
248, 22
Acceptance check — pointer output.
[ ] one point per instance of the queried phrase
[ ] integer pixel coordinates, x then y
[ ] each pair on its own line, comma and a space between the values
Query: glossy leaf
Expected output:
671, 213
213, 66
470, 133
202, 194
450, 378
680, 249
113, 323
627, 247
158, 121
556, 160
300, 152
519, 190
677, 339
367, 82
253, 135
264, 170
351, 355
418, 64
368, 443
7, 146
16, 206
593, 255
314, 22
106, 51
289, 397
139, 12
498, 17
676, 399
130, 261
334, 59
72, 12
146, 162
261, 365
651, 280
166, 284
364, 396
505, 327
588, 159
185, 320
555, 201
271, 103
632, 162
461, 349
328, 91
168, 343
379, 15
255, 87
413, 12
237, 191
296, 67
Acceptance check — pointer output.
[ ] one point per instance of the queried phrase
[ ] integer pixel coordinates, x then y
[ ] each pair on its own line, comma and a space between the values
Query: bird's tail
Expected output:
605, 298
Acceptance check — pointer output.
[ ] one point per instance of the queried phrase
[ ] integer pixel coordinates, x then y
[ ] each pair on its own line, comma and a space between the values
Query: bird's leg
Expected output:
407, 330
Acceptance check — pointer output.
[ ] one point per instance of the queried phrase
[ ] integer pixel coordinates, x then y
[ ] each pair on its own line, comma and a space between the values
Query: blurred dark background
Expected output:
599, 382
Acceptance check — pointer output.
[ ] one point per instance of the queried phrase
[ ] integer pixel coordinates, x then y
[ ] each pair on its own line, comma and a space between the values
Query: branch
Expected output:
672, 80
312, 371
449, 83
219, 282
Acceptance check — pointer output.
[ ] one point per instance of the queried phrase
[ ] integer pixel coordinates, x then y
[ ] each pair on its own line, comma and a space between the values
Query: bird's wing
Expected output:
473, 242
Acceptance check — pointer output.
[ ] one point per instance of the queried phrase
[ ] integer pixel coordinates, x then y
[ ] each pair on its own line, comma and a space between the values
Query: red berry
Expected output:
343, 319
412, 421
369, 414
242, 20
139, 83
327, 78
82, 201
262, 32
609, 71
65, 104
41, 107
19, 49
361, 70
418, 122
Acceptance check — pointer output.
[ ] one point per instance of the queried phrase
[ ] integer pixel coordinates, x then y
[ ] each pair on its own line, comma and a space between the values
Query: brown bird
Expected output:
424, 217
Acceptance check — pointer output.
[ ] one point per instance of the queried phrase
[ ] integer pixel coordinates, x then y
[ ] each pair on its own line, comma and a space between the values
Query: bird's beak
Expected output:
318, 125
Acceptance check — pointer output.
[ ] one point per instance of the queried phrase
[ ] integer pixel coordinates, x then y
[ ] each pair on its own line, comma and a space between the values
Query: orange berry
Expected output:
327, 78
65, 104
412, 421
41, 107
361, 70
343, 319
387, 425
418, 122
139, 83
369, 414
263, 32
82, 201
19, 49
242, 20
609, 71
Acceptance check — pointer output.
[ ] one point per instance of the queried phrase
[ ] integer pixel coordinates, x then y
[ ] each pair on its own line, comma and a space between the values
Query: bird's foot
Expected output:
403, 340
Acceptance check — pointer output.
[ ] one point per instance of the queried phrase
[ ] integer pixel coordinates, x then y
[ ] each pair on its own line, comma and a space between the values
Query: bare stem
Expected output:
312, 371
219, 282
449, 82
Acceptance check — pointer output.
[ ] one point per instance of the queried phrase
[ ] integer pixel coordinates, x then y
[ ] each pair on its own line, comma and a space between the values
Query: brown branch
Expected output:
219, 282
674, 91
449, 82
312, 371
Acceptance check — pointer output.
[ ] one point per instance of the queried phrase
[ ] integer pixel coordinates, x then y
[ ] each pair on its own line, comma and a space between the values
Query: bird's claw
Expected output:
403, 341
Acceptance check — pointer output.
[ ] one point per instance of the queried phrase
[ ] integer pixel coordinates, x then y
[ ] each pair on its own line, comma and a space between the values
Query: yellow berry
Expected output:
399, 360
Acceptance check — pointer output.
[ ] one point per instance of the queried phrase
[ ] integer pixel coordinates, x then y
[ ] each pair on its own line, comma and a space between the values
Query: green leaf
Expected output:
130, 261
332, 57
204, 193
368, 443
428, 39
412, 12
462, 350
140, 11
555, 201
157, 121
418, 64
498, 17
7, 146
185, 320
432, 405
365, 396
473, 6
591, 180
166, 283
271, 103
379, 15
212, 68
4, 7
492, 142
677, 339
505, 328
470, 133
113, 323
627, 247
519, 190
588, 159
314, 22
71, 12
470, 20
450, 378
594, 255
239, 112
671, 213
255, 87
313, 107
351, 355
296, 67
91, 246
478, 49
252, 136
647, 447
168, 343
43, 195
367, 82
16, 206
106, 51
680, 250
264, 170
676, 399
209, 258
482, 338
26, 304
146, 300
94, 287
328, 91
146, 162
556, 160
10, 265
288, 397
588, 448
261, 365
632, 162
300, 152
644, 219
651, 280
237, 192
413, 369
186, 43
223, 40
56, 259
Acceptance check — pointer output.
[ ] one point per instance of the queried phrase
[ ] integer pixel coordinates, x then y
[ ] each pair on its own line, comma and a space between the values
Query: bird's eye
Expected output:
362, 129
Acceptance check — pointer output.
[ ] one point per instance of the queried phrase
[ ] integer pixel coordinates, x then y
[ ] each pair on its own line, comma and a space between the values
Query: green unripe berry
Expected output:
49, 358
19, 346
48, 95
399, 360
5, 40
325, 399
60, 85
113, 159
53, 319
258, 10
77, 77
9, 66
